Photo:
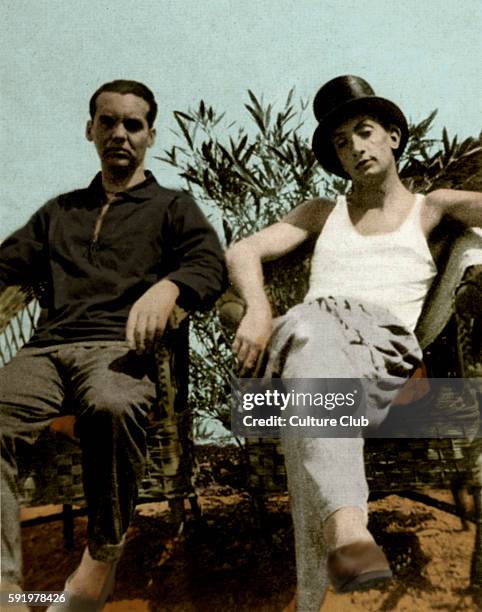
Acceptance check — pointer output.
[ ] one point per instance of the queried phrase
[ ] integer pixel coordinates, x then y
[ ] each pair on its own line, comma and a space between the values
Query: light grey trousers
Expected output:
334, 338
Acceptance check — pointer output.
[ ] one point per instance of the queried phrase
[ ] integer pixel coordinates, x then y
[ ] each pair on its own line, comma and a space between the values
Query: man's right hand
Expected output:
149, 315
252, 337
244, 260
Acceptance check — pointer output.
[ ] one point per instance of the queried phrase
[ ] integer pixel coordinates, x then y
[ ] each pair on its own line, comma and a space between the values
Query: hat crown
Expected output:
337, 92
344, 97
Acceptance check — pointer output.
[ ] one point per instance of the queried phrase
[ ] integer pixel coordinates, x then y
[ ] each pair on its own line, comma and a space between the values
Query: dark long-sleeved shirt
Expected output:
148, 233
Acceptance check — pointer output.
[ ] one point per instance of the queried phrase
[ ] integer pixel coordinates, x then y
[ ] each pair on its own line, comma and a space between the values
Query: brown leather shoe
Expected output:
360, 565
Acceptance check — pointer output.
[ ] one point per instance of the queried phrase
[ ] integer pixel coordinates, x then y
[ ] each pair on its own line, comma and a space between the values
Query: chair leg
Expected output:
195, 508
259, 507
476, 569
476, 566
68, 526
261, 516
456, 489
176, 506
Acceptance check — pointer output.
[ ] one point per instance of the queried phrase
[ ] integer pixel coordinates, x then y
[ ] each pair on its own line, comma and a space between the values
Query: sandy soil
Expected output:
227, 563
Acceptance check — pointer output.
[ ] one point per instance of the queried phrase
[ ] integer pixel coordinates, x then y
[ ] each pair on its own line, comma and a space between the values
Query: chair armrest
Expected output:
466, 251
468, 295
12, 300
171, 360
468, 312
176, 317
230, 308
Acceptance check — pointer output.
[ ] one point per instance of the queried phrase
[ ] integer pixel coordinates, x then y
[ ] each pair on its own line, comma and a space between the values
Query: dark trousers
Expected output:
110, 392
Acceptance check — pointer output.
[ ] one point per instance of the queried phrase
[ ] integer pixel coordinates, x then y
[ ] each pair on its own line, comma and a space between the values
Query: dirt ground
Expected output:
227, 562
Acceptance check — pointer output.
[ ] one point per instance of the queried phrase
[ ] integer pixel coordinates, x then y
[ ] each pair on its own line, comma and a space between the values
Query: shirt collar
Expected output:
141, 191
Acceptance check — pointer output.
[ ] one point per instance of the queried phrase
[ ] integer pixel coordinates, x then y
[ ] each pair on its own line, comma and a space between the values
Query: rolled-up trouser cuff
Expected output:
363, 507
106, 552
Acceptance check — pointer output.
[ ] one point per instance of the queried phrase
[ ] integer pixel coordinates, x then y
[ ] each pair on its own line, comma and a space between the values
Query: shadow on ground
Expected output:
227, 563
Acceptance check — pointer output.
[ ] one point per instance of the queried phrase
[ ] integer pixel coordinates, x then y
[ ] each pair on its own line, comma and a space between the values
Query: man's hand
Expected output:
252, 337
244, 261
149, 315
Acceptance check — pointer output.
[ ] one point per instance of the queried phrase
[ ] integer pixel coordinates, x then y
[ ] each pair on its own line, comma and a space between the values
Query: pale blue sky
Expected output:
422, 54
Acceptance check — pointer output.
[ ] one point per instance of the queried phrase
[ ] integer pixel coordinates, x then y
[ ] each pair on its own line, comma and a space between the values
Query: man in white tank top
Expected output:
371, 271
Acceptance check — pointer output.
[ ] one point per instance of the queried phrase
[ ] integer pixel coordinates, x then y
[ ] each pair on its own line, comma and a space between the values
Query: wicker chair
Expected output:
52, 472
403, 465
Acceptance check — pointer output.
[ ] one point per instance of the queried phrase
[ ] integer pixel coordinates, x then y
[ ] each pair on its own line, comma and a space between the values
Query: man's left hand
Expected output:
149, 315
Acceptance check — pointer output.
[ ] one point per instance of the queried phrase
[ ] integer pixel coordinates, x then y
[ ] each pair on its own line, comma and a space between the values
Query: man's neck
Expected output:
116, 180
378, 194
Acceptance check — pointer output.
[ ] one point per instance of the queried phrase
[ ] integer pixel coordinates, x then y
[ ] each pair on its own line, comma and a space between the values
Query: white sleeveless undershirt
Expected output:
393, 270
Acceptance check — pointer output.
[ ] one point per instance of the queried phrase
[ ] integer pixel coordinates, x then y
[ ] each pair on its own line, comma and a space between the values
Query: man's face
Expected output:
364, 147
120, 130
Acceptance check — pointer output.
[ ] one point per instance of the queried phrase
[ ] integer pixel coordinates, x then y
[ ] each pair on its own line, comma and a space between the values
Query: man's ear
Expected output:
395, 136
88, 131
152, 137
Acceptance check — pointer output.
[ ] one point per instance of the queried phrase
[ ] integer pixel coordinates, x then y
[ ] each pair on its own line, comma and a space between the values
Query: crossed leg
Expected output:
330, 339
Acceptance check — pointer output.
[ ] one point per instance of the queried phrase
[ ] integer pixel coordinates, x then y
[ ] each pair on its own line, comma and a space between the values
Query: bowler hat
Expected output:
340, 99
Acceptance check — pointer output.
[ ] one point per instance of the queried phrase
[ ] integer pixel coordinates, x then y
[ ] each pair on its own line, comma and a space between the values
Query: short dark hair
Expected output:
386, 121
122, 86
382, 119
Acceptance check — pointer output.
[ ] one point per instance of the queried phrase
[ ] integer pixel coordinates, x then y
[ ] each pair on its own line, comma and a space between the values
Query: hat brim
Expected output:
381, 108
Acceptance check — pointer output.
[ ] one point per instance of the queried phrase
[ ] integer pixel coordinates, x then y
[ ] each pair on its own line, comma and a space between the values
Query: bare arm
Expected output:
464, 206
244, 260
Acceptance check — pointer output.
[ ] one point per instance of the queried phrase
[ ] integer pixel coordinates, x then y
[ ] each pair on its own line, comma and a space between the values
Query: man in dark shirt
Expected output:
114, 259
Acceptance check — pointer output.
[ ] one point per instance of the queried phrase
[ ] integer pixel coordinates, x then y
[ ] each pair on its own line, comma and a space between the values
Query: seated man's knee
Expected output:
109, 406
307, 323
